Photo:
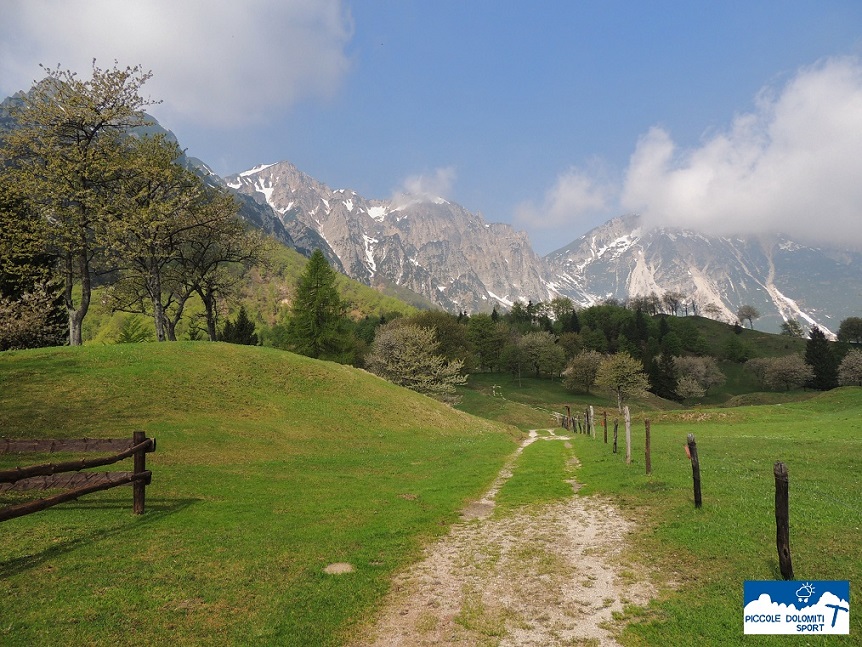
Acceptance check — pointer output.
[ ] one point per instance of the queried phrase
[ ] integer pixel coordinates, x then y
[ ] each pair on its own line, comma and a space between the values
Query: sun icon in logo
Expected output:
804, 592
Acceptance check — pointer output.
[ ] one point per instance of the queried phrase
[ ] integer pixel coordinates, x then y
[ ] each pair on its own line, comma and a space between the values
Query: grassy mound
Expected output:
269, 468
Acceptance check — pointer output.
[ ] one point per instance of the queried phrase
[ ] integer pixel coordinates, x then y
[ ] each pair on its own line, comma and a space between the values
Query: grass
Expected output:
539, 476
709, 553
699, 559
269, 467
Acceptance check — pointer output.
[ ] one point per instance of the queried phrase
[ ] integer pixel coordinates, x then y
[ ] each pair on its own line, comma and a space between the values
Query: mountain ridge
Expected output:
458, 260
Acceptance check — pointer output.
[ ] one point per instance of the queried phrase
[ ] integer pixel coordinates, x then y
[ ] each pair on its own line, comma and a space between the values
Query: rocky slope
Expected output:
425, 244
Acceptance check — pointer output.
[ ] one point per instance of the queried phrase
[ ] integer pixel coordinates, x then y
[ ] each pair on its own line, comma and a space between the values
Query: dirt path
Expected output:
547, 575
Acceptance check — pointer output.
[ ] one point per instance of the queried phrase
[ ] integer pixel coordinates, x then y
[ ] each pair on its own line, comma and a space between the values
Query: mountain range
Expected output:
459, 261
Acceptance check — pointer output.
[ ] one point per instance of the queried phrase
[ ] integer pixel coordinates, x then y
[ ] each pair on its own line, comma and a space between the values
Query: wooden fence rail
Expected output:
50, 476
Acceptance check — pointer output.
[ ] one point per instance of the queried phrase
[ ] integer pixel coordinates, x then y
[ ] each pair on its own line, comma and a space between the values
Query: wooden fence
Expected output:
68, 475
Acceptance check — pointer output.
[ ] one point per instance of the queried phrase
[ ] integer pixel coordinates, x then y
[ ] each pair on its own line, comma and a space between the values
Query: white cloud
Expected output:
213, 61
791, 165
576, 194
437, 185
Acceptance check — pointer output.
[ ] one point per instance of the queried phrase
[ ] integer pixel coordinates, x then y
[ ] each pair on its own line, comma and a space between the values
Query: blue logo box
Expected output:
796, 607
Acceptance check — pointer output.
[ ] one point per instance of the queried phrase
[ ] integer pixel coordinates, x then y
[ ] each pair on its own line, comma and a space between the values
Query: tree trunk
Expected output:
76, 315
172, 321
209, 305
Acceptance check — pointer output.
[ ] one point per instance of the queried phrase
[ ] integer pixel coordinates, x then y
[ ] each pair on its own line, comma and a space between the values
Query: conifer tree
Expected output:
318, 322
821, 359
240, 331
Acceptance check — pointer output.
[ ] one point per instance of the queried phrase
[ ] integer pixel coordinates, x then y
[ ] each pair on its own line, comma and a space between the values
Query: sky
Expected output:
732, 117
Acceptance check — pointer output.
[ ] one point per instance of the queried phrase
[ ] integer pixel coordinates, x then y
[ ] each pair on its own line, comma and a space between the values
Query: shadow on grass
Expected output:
156, 510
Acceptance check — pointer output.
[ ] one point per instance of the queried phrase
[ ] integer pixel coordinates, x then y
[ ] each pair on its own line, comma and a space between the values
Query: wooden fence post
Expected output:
605, 425
592, 422
691, 450
628, 418
782, 520
647, 448
616, 426
139, 487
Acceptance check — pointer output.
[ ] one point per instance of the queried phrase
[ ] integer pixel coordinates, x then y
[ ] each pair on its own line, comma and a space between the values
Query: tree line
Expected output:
620, 348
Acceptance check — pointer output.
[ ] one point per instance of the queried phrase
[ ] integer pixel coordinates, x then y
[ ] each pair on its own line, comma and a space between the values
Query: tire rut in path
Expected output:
543, 575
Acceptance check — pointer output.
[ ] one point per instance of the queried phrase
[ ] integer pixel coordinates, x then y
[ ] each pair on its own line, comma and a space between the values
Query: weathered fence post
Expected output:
647, 448
569, 424
782, 520
691, 450
616, 426
592, 422
628, 419
139, 487
605, 425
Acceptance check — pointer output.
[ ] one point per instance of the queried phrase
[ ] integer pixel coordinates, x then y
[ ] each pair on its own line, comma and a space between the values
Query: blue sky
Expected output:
735, 117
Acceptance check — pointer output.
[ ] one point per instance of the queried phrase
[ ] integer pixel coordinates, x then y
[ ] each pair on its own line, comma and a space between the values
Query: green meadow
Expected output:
271, 466
700, 558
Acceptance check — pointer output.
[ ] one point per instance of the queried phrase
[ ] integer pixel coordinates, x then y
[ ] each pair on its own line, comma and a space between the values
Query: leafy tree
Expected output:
594, 340
451, 335
487, 338
406, 354
33, 313
850, 330
792, 328
222, 242
521, 316
700, 371
542, 354
850, 369
735, 350
624, 375
158, 200
26, 322
318, 322
748, 313
514, 357
787, 372
239, 331
571, 344
821, 359
582, 371
66, 154
688, 387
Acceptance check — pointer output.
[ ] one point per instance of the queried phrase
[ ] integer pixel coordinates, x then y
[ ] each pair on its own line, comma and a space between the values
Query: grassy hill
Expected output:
269, 467
267, 290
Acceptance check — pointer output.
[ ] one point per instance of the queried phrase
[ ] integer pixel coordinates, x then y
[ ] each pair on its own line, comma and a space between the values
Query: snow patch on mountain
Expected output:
256, 169
369, 253
377, 213
261, 186
506, 301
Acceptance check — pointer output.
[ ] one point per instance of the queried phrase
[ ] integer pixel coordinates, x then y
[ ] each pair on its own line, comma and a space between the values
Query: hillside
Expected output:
269, 467
267, 291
